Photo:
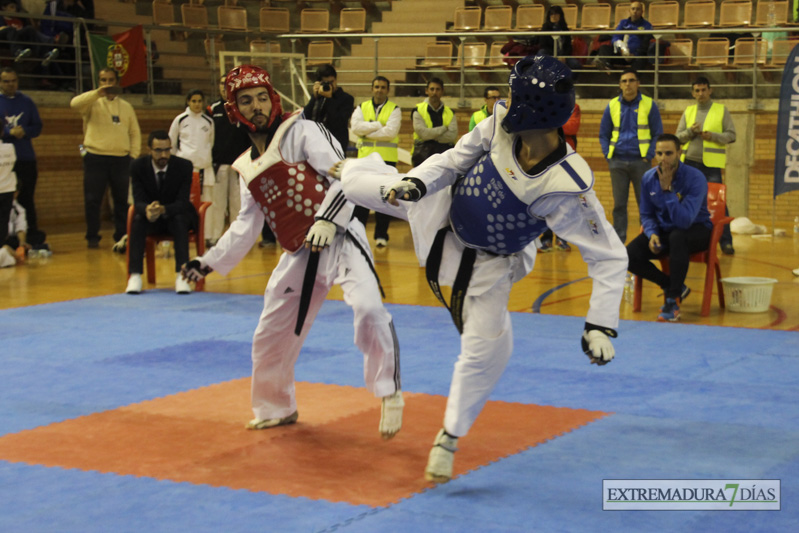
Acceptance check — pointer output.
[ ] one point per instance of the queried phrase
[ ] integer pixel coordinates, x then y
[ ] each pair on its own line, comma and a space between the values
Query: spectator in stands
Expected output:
706, 129
377, 123
559, 46
111, 139
22, 123
491, 95
331, 105
67, 9
161, 184
24, 39
192, 136
634, 50
435, 128
676, 223
630, 122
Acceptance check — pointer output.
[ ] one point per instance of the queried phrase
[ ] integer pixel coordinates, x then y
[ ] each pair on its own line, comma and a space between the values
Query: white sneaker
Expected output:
381, 243
258, 423
391, 415
439, 464
795, 271
181, 285
6, 258
134, 284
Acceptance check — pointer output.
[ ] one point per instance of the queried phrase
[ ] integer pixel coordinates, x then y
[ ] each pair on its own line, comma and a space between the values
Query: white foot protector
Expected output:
258, 423
439, 464
391, 415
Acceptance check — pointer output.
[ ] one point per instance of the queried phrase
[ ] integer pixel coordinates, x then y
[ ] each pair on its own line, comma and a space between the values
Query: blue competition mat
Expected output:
687, 402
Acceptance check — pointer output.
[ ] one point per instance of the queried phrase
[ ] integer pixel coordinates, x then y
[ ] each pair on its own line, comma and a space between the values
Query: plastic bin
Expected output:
748, 294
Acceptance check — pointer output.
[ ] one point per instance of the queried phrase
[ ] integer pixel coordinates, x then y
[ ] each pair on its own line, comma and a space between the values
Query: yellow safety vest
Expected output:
644, 136
478, 116
421, 108
714, 155
386, 149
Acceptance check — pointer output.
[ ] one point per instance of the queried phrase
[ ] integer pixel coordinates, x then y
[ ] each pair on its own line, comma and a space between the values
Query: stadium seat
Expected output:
274, 19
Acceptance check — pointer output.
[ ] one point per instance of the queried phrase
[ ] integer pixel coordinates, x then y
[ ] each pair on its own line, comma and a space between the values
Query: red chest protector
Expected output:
289, 194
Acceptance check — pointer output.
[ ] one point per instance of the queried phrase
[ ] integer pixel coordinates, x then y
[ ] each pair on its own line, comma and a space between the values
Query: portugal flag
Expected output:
124, 52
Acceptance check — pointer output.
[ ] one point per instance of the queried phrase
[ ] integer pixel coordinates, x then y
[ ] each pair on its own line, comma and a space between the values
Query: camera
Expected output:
325, 86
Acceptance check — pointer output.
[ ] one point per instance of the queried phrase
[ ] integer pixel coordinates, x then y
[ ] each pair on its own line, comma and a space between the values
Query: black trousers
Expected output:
177, 226
6, 203
27, 176
678, 244
99, 172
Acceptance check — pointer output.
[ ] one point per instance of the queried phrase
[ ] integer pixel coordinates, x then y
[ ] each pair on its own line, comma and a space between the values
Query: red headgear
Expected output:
244, 77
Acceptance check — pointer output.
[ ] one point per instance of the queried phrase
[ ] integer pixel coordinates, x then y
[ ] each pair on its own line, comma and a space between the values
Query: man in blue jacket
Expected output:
676, 222
21, 123
630, 122
635, 50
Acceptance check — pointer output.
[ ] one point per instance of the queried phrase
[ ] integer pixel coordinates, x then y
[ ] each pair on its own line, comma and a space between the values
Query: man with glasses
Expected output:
630, 122
161, 185
491, 95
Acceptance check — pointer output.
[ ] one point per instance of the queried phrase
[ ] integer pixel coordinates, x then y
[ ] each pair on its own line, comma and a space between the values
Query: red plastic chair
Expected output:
196, 236
716, 202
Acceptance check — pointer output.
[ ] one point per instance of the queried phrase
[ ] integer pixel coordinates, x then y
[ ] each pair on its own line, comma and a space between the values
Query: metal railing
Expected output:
77, 72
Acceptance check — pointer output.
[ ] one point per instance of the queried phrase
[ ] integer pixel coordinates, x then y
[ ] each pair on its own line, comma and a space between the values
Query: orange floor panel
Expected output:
333, 453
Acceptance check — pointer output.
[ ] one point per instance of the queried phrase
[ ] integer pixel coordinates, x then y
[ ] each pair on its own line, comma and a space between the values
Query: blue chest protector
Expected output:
486, 215
492, 204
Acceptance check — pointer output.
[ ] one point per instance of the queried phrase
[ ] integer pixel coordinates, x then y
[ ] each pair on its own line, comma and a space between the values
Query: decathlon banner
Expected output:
786, 160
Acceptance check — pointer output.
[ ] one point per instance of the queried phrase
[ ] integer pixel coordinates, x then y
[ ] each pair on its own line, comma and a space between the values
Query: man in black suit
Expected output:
161, 187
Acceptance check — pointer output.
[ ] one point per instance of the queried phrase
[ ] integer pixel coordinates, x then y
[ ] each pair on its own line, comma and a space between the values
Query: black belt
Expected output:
307, 290
462, 278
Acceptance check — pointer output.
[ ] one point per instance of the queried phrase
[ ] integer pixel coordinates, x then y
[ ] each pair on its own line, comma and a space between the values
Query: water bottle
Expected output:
165, 249
796, 225
629, 288
772, 15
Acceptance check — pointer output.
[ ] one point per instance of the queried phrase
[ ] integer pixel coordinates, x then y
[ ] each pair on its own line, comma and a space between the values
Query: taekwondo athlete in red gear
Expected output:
311, 219
479, 207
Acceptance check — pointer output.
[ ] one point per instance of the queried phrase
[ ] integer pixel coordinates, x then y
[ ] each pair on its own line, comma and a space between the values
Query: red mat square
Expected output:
334, 452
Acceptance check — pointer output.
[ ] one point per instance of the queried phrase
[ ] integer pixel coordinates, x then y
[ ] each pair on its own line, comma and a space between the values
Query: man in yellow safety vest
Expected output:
377, 122
630, 123
705, 130
435, 128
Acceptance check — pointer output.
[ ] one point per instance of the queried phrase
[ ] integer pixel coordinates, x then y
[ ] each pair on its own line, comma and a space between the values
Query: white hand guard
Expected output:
597, 347
195, 270
321, 234
404, 190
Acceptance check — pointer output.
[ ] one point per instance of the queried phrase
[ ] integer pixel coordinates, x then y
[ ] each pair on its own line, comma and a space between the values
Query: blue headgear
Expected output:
542, 95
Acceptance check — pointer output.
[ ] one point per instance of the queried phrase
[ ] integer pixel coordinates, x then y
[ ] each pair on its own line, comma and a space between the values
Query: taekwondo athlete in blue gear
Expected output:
475, 211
